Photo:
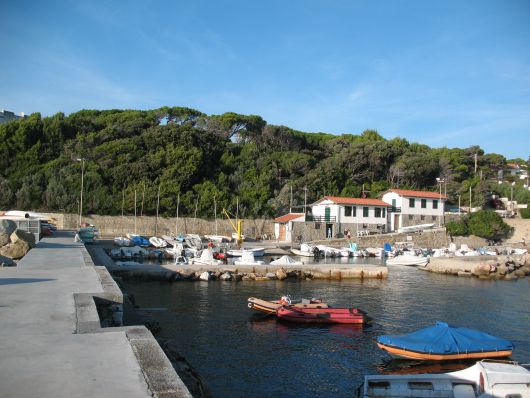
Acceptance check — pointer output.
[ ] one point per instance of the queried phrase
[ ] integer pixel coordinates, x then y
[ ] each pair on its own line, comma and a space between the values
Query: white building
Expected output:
6, 116
356, 214
410, 208
283, 226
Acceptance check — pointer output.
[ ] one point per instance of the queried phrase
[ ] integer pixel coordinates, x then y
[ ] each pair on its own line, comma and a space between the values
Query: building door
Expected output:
329, 231
281, 237
396, 222
327, 214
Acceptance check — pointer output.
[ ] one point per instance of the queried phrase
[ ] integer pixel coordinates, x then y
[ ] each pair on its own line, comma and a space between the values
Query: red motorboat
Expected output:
322, 315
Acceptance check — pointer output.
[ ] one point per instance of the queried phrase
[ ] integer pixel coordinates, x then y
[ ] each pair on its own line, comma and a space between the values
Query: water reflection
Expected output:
244, 354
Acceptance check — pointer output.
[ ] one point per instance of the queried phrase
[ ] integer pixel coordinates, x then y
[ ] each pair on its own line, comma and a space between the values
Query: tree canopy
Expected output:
239, 160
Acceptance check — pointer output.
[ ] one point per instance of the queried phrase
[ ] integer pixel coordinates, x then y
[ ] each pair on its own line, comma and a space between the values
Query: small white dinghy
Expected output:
286, 261
408, 259
157, 242
122, 241
247, 258
485, 379
256, 252
206, 258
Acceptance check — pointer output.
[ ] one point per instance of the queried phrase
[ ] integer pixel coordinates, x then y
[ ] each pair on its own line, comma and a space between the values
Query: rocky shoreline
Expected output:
483, 267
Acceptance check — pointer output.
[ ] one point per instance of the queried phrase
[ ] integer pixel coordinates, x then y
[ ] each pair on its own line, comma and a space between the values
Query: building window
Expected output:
377, 212
347, 211
435, 204
365, 211
384, 212
354, 211
424, 203
411, 217
434, 218
422, 218
412, 202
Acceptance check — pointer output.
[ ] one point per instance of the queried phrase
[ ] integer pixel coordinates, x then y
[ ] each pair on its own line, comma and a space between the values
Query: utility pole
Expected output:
135, 211
305, 201
291, 201
157, 206
476, 163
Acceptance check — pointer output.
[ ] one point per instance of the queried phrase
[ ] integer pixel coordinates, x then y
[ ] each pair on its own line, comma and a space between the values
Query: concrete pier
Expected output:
52, 341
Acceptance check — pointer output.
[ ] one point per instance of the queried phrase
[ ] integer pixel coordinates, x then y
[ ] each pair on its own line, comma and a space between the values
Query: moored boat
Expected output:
444, 342
408, 259
157, 242
322, 315
256, 252
491, 379
271, 306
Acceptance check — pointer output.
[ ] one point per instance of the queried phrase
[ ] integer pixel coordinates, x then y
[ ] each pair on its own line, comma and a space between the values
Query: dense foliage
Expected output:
484, 223
200, 161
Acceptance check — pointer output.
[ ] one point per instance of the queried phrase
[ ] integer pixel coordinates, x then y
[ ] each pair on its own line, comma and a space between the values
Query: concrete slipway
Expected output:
51, 340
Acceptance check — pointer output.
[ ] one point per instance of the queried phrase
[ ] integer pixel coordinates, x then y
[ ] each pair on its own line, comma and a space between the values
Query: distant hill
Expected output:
239, 160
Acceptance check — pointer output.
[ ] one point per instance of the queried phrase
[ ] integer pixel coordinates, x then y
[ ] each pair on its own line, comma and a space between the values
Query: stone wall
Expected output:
111, 226
312, 232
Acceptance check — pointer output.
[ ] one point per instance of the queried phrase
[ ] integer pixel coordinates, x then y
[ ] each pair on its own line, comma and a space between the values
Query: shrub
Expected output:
457, 228
487, 224
525, 213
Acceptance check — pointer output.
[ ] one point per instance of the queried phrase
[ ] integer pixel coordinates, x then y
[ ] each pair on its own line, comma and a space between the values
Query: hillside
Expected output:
236, 160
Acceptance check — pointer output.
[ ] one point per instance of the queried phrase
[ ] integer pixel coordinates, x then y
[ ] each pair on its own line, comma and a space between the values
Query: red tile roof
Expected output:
288, 217
354, 201
418, 194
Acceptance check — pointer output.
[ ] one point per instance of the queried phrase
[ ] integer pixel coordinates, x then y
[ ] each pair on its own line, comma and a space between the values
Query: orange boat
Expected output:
271, 307
322, 315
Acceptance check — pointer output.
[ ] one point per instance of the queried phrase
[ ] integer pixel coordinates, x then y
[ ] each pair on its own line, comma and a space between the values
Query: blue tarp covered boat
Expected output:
444, 342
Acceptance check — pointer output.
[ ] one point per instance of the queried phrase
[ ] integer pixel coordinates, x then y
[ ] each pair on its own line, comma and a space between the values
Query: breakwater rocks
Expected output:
14, 243
253, 274
500, 267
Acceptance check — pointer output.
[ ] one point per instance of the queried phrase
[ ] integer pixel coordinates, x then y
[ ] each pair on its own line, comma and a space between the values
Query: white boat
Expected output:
218, 238
408, 259
247, 258
234, 236
286, 261
122, 241
329, 251
206, 258
485, 379
302, 253
157, 242
415, 228
257, 252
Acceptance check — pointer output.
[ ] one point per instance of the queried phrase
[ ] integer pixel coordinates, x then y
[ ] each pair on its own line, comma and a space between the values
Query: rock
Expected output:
520, 273
526, 269
205, 276
4, 239
252, 275
463, 273
511, 268
237, 277
270, 275
511, 277
281, 274
7, 227
7, 262
502, 270
246, 278
226, 276
15, 250
481, 269
20, 235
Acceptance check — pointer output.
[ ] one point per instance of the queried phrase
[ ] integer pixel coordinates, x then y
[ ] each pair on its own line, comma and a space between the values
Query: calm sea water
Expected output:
242, 354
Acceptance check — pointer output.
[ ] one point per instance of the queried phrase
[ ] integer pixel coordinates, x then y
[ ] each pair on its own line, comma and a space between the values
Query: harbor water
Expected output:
239, 353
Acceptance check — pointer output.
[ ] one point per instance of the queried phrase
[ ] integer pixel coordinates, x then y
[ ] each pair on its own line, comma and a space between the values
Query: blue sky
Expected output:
441, 73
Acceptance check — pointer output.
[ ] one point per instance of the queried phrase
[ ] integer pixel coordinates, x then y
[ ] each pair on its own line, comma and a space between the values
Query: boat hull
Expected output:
271, 307
322, 315
397, 352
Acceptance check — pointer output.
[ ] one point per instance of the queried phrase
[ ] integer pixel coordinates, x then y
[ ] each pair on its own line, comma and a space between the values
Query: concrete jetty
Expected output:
53, 342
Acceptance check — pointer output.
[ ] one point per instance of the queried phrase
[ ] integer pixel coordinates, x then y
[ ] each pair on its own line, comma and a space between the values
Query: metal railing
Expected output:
322, 219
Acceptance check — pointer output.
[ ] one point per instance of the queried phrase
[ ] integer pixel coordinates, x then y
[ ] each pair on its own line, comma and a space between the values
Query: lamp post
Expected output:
82, 160
440, 181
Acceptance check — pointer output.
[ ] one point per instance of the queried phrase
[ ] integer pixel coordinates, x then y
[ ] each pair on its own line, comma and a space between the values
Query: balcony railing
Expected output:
323, 219
394, 209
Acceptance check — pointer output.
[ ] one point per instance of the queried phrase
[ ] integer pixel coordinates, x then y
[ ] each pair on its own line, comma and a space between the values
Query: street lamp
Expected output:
82, 160
440, 181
